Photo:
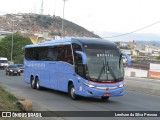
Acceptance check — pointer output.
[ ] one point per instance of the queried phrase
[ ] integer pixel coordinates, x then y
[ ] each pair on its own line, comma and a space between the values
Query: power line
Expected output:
134, 30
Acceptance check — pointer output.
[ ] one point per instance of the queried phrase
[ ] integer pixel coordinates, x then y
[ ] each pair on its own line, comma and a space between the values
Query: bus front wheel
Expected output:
33, 83
72, 92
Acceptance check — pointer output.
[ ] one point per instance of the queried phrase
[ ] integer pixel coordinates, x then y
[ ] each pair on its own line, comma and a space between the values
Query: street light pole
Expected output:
62, 33
12, 42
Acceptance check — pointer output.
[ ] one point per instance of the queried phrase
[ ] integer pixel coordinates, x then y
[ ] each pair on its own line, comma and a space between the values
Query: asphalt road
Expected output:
149, 86
50, 100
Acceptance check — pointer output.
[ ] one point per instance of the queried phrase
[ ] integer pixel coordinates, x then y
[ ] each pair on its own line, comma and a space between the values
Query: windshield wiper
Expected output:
100, 74
111, 71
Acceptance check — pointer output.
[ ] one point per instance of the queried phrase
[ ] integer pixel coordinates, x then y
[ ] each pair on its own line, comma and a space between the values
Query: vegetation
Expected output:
44, 21
18, 47
7, 103
158, 58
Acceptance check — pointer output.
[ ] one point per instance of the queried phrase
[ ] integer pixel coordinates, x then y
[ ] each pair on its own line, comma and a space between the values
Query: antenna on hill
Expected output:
41, 9
35, 8
62, 33
49, 12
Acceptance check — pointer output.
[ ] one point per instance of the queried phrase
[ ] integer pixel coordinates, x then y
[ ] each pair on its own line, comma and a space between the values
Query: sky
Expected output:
98, 16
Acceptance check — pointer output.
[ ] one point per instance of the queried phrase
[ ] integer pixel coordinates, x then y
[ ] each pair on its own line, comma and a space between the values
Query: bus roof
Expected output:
83, 41
50, 43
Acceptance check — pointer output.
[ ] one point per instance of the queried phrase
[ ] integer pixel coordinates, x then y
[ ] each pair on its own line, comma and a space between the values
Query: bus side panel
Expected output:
38, 69
53, 77
60, 74
27, 71
42, 71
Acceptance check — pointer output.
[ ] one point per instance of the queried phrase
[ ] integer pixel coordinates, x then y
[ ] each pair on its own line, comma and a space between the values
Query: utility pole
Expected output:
12, 41
62, 33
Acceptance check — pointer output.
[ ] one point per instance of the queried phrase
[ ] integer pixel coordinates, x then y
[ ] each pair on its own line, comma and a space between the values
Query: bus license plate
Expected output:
106, 95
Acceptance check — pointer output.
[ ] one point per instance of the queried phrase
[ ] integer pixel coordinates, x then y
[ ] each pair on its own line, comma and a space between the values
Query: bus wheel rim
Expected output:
37, 84
72, 92
33, 82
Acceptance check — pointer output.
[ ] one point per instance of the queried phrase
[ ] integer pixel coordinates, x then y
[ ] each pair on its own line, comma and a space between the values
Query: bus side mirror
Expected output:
83, 55
128, 58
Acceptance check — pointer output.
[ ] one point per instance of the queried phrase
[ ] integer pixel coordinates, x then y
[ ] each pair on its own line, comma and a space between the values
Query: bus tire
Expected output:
38, 87
72, 92
33, 83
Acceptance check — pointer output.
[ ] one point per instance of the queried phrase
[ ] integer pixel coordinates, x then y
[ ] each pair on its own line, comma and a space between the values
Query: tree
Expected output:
158, 58
19, 42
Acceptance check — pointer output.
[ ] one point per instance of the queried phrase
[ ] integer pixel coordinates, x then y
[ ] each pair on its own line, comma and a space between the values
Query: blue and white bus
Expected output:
89, 67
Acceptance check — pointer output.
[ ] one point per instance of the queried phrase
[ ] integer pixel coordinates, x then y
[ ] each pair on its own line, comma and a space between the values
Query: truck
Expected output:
3, 62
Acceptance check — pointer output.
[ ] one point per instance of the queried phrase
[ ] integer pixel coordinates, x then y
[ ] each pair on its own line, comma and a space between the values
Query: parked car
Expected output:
13, 70
21, 67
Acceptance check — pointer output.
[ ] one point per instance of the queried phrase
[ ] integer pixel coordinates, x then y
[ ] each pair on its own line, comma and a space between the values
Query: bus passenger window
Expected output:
60, 52
37, 56
68, 54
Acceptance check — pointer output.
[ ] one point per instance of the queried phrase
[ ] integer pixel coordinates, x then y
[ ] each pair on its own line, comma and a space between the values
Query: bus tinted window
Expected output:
68, 54
63, 53
55, 53
36, 53
76, 47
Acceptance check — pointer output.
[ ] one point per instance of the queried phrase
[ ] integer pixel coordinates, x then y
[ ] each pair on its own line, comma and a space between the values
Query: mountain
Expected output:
34, 23
154, 43
112, 36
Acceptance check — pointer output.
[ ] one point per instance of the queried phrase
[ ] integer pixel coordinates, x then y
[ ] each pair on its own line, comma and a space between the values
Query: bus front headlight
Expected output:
121, 85
89, 85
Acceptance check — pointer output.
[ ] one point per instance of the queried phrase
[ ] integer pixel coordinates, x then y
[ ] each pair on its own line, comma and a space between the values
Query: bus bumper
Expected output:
103, 91
91, 92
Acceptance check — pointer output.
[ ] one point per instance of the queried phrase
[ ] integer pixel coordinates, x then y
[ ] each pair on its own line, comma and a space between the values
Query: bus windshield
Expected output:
104, 65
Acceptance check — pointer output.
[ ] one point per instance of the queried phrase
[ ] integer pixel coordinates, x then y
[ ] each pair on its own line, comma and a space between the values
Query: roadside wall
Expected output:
154, 71
154, 75
132, 72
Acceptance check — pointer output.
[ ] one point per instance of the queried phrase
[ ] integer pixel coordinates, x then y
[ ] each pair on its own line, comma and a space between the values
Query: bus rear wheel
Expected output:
72, 92
33, 83
38, 87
